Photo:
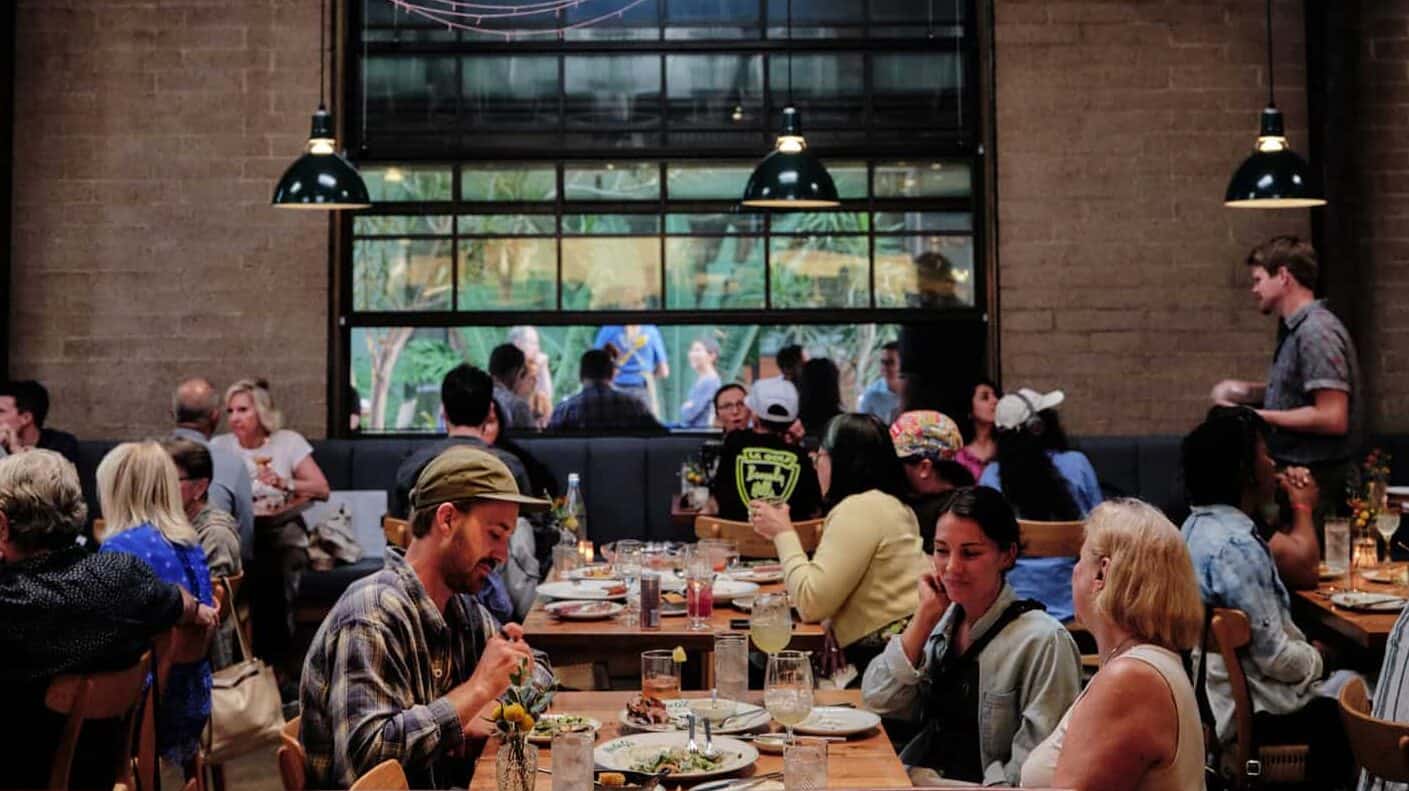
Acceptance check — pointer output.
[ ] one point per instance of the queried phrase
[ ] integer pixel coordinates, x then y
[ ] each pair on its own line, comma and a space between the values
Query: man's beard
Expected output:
464, 577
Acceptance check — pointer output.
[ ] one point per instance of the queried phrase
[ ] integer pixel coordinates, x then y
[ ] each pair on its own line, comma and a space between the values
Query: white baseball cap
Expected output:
773, 399
1015, 409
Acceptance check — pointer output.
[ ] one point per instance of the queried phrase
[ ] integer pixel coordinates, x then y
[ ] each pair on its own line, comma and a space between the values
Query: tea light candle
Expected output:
584, 549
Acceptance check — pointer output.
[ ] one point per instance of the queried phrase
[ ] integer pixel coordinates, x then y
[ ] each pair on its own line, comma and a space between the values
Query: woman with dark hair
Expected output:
819, 395
979, 444
984, 674
863, 574
1046, 482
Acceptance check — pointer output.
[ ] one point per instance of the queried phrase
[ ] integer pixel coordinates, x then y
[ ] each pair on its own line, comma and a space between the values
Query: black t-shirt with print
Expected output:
754, 466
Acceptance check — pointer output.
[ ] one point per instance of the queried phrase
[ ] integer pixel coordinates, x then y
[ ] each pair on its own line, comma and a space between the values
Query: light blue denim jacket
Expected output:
1029, 674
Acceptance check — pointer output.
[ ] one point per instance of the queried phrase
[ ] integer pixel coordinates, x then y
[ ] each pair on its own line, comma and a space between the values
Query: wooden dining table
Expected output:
866, 760
1367, 631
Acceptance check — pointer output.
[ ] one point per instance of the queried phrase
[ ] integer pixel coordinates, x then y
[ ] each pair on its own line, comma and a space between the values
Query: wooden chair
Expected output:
1281, 763
1059, 540
292, 758
96, 696
398, 532
385, 776
1381, 747
180, 645
750, 544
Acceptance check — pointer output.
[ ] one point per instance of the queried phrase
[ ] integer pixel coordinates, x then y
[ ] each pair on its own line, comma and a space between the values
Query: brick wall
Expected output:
148, 139
1121, 275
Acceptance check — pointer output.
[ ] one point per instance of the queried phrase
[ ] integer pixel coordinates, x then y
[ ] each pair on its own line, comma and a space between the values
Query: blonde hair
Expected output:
41, 499
1150, 588
138, 484
270, 418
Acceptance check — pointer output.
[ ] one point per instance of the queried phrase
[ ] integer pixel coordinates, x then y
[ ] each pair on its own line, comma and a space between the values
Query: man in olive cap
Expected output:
407, 662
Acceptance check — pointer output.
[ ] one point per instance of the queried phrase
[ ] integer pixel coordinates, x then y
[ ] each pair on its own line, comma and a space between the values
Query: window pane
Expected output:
714, 91
820, 272
820, 222
612, 91
404, 225
832, 19
388, 22
898, 221
508, 274
401, 274
828, 88
706, 19
639, 22
611, 273
513, 224
939, 179
410, 94
508, 181
513, 91
714, 223
611, 181
387, 183
924, 271
917, 89
397, 373
706, 181
850, 178
907, 18
613, 224
710, 273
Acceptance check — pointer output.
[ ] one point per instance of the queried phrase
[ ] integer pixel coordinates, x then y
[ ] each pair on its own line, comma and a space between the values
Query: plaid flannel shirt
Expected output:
376, 678
598, 406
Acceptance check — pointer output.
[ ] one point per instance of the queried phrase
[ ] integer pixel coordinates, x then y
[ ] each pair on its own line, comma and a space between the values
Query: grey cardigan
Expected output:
1029, 674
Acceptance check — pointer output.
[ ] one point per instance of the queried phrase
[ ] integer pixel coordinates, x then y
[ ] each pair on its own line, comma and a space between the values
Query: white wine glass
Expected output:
1387, 523
787, 688
771, 622
628, 565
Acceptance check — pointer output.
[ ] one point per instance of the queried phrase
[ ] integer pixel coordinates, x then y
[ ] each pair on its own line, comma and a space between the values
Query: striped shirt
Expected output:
1392, 693
376, 679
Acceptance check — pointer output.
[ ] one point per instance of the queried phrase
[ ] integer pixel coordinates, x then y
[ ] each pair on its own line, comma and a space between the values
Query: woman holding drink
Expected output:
985, 675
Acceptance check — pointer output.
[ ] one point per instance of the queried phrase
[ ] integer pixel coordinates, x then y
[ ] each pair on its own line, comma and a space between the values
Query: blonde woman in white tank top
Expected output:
1136, 726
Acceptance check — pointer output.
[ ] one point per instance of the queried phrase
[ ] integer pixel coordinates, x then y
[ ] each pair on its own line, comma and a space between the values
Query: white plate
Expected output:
726, 589
1324, 572
600, 571
580, 589
1383, 576
1368, 602
594, 610
746, 717
543, 738
621, 755
837, 721
774, 573
1397, 491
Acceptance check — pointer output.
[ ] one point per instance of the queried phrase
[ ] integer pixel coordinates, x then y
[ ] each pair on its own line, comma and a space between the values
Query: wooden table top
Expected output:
266, 517
863, 761
1367, 630
550, 634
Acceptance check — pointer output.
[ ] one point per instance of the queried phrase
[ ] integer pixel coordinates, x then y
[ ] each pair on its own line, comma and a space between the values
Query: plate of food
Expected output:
837, 721
1368, 602
762, 574
600, 571
726, 716
582, 589
1394, 575
654, 753
726, 589
595, 610
625, 781
550, 725
672, 603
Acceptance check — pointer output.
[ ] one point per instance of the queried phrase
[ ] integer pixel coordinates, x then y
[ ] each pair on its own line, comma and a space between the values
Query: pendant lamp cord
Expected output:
1271, 98
362, 89
790, 51
322, 47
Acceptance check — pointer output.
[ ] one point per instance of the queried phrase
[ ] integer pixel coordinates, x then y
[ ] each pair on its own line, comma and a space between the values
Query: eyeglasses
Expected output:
730, 406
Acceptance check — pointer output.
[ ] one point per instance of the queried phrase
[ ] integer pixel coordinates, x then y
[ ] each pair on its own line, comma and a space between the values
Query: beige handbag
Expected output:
246, 712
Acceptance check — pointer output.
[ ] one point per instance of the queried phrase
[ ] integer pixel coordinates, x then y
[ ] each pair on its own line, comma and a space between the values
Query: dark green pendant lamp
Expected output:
791, 177
1274, 176
321, 178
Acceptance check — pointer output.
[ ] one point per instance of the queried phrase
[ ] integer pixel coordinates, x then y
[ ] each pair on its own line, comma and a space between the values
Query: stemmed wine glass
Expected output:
1387, 523
787, 688
628, 565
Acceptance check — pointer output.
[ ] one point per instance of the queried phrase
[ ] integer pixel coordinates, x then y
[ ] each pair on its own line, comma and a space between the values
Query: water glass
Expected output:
565, 559
699, 588
1364, 554
771, 622
804, 765
628, 565
660, 674
722, 552
731, 665
1338, 545
572, 761
787, 688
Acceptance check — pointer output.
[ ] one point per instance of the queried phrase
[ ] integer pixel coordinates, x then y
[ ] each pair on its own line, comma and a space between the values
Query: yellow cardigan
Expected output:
864, 573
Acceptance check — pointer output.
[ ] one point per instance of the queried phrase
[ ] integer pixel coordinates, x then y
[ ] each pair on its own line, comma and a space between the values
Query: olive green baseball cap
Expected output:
465, 473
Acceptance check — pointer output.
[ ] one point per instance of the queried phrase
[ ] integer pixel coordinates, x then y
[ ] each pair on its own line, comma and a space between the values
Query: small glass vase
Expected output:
516, 765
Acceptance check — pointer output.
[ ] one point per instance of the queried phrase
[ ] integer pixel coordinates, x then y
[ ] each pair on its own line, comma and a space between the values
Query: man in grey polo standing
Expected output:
195, 406
1311, 399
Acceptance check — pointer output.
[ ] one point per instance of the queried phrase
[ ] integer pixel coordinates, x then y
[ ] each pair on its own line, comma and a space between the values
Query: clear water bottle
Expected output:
574, 512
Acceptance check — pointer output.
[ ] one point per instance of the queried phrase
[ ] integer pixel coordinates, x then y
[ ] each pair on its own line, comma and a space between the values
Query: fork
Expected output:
710, 751
691, 747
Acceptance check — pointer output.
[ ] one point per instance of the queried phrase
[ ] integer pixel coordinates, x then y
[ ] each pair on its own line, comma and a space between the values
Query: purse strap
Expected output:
235, 616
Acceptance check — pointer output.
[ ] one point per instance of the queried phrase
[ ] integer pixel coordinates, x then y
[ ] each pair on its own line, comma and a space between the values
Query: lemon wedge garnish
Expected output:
678, 654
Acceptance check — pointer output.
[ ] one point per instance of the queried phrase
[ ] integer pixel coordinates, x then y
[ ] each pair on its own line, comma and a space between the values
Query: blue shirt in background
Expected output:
1048, 580
877, 399
699, 404
633, 363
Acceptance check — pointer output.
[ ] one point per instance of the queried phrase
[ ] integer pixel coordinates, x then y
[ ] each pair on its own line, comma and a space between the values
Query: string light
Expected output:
458, 15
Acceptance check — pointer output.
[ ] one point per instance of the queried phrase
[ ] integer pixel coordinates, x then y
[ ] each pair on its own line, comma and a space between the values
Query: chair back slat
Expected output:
1231, 634
385, 776
1381, 747
95, 696
751, 544
292, 757
398, 532
1050, 539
